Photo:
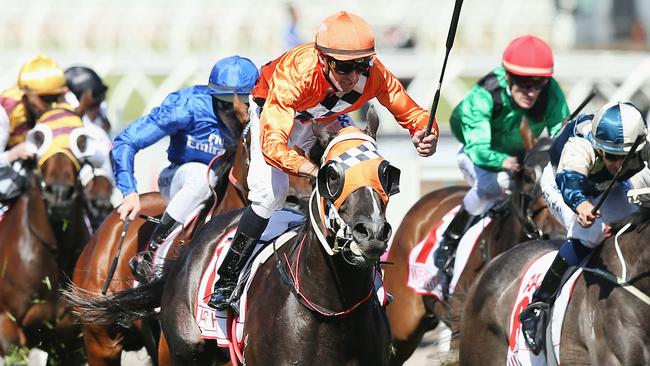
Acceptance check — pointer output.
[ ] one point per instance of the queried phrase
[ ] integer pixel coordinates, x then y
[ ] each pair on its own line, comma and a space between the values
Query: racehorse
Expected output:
105, 342
327, 313
98, 194
42, 235
522, 217
603, 324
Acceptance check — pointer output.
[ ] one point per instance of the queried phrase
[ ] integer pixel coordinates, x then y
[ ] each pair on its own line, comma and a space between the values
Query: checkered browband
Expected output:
354, 156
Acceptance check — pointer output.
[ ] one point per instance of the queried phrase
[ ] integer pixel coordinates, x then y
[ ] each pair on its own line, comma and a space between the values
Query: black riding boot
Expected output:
444, 256
241, 248
142, 263
250, 229
534, 318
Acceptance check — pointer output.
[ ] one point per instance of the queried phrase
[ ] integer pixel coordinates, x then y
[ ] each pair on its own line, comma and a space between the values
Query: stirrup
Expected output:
221, 298
533, 323
141, 266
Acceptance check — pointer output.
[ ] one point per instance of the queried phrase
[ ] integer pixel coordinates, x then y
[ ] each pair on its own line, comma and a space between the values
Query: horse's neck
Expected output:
330, 280
37, 220
507, 230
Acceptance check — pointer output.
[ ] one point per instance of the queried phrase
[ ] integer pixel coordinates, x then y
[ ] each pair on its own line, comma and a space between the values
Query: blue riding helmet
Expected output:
230, 75
615, 128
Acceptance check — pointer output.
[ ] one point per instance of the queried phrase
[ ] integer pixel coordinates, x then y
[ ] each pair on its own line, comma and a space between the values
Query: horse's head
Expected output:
354, 184
529, 190
59, 151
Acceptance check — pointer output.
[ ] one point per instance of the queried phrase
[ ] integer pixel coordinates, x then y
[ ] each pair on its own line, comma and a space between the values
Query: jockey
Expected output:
87, 93
196, 119
487, 122
40, 83
589, 160
314, 82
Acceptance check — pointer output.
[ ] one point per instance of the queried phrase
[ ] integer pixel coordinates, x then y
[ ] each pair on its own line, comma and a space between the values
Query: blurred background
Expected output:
146, 49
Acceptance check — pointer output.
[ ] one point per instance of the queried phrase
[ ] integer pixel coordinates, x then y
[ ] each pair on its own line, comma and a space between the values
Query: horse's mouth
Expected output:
369, 257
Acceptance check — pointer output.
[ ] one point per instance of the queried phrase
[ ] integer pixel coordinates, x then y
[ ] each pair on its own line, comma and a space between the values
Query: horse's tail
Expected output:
121, 308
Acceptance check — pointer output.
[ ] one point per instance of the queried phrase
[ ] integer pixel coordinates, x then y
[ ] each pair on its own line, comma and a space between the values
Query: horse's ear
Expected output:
527, 136
322, 138
240, 109
372, 122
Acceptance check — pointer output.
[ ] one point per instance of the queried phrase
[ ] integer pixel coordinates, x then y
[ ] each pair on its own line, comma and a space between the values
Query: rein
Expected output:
291, 279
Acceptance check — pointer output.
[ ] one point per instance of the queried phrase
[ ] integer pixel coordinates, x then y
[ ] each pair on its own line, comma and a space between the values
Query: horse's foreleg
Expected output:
408, 317
10, 333
103, 348
164, 358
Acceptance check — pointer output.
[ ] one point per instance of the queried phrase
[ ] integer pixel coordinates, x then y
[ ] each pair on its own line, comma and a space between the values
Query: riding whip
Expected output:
111, 269
582, 105
450, 42
602, 199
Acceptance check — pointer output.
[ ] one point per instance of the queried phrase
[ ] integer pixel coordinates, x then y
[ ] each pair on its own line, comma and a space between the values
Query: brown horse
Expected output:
603, 325
98, 194
105, 343
523, 217
43, 233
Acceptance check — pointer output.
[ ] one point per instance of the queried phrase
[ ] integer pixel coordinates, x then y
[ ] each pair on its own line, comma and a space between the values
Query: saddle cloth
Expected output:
219, 324
518, 352
423, 273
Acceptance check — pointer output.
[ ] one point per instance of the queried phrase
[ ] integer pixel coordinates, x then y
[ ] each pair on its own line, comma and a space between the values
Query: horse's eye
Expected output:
332, 174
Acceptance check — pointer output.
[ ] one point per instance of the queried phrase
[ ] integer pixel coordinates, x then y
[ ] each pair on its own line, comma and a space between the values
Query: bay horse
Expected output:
524, 216
603, 324
105, 342
328, 313
42, 235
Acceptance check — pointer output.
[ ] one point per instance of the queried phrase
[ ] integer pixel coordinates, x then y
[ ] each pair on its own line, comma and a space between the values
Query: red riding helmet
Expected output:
528, 56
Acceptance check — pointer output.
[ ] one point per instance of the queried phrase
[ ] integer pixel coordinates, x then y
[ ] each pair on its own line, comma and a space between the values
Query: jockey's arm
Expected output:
171, 116
577, 159
19, 151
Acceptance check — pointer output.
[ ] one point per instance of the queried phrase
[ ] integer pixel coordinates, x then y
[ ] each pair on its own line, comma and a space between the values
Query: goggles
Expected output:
535, 83
612, 157
361, 65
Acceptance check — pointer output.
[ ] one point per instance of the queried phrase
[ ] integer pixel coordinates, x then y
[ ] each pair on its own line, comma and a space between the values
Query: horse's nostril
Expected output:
361, 231
386, 232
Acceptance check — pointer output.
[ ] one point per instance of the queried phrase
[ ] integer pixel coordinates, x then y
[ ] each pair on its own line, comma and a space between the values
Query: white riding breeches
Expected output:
614, 208
488, 188
268, 186
184, 187
553, 197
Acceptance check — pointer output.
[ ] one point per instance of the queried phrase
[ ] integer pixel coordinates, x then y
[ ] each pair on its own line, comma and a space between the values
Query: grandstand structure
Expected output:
147, 48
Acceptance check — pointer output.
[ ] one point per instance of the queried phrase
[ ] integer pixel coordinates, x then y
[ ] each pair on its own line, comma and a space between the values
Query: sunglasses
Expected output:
612, 157
529, 82
360, 65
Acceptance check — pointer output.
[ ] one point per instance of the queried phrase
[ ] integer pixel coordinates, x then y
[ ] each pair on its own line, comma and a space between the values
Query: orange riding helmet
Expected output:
345, 36
528, 56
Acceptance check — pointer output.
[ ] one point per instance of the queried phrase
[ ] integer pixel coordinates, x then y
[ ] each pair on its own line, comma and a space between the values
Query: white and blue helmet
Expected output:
615, 128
